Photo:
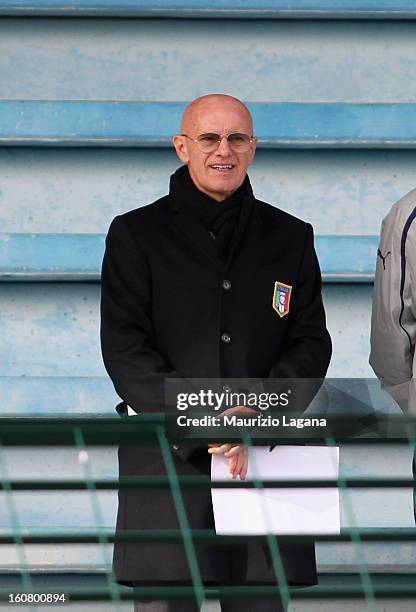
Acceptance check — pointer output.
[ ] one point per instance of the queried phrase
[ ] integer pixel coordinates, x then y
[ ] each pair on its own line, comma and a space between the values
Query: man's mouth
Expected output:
222, 167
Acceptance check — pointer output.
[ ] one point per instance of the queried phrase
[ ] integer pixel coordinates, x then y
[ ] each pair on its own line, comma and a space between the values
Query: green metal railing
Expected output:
82, 432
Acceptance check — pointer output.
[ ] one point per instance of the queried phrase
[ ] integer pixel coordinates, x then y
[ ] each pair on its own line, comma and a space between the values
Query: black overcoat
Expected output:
166, 312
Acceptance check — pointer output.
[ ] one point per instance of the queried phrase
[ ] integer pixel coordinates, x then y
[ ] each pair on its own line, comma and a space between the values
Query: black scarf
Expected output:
219, 219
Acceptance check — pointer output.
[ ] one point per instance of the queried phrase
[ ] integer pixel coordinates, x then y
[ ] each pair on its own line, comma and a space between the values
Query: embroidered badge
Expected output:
281, 298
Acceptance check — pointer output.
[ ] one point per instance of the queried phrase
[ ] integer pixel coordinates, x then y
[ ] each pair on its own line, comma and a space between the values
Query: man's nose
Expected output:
224, 147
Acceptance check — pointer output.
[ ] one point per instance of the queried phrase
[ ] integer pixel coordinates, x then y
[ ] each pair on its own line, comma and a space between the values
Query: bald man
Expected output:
207, 282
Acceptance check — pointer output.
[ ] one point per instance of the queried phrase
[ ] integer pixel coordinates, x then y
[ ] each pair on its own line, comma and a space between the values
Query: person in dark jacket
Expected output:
206, 282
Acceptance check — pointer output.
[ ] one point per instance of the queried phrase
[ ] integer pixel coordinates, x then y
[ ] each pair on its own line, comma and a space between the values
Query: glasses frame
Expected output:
252, 138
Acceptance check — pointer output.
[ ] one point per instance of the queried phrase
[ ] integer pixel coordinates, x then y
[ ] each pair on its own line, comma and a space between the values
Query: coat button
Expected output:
226, 284
226, 338
175, 447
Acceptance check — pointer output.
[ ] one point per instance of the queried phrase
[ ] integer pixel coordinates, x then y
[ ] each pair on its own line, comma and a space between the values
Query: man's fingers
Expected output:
232, 464
234, 450
244, 469
239, 463
219, 450
241, 466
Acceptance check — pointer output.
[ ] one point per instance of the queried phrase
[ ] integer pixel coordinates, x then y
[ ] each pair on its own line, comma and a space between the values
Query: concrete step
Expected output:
49, 189
152, 124
242, 9
145, 60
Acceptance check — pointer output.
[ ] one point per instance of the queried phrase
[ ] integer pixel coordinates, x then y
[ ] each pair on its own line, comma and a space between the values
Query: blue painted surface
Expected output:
347, 258
52, 329
348, 316
222, 8
77, 122
78, 257
50, 256
154, 123
80, 190
56, 395
170, 59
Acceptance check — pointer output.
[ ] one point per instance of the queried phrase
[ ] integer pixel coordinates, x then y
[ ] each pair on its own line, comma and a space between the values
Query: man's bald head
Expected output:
219, 102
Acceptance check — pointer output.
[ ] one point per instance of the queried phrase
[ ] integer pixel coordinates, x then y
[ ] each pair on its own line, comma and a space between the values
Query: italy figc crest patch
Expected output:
281, 298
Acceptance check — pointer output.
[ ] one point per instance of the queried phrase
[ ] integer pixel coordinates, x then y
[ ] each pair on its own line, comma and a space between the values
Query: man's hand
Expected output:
236, 453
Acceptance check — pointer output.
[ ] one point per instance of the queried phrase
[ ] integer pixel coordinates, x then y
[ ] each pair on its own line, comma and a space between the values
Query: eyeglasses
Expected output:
208, 143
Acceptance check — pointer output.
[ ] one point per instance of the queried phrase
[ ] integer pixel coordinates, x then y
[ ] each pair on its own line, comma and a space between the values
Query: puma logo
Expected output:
383, 258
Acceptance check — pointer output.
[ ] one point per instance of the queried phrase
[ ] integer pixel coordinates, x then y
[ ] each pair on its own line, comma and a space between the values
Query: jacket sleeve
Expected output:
393, 319
307, 348
129, 349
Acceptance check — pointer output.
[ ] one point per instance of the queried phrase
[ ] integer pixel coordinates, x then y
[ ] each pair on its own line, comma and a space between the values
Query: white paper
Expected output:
279, 511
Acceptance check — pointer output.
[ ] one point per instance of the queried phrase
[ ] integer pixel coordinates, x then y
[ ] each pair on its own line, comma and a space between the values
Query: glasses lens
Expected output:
208, 142
239, 142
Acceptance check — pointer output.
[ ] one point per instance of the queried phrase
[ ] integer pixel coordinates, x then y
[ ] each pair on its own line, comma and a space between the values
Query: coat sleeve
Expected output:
393, 319
307, 348
129, 349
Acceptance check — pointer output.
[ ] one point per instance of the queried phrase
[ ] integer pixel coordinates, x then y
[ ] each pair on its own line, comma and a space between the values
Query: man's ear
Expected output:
179, 143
